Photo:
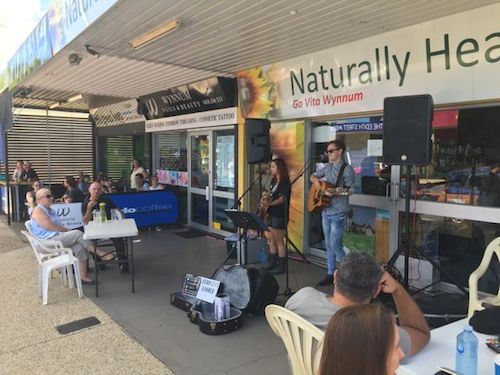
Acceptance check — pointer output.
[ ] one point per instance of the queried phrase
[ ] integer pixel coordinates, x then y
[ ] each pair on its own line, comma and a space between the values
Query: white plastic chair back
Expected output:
27, 224
475, 304
50, 257
302, 339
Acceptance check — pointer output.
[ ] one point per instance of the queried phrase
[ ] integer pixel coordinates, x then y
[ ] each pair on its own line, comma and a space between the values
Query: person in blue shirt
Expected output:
45, 225
334, 217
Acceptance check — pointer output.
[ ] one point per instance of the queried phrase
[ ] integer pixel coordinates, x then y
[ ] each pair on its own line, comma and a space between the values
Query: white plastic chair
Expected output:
302, 339
52, 258
50, 244
475, 304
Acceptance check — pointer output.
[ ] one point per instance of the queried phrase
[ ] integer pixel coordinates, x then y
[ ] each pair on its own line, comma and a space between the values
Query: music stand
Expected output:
245, 220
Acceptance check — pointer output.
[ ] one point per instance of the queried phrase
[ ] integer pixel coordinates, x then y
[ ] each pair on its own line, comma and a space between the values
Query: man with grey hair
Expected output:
358, 279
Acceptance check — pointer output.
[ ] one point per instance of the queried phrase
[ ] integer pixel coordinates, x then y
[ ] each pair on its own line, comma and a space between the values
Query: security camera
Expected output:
74, 59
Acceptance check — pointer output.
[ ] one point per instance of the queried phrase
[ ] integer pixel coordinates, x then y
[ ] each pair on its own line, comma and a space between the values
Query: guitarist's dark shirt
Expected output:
338, 204
283, 188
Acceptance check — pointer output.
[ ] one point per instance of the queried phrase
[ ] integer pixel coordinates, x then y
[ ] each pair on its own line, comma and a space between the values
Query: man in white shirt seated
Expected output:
358, 279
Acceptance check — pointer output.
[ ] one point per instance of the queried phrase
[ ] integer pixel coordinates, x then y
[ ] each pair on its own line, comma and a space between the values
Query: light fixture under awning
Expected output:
155, 34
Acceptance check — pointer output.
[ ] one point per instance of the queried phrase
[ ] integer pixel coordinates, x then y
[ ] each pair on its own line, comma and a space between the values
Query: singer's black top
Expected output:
277, 190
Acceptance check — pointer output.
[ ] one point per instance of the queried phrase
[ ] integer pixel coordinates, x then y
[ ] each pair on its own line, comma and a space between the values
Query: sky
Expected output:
18, 18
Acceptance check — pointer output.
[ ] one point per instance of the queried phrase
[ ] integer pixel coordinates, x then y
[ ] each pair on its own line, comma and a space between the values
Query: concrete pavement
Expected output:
29, 341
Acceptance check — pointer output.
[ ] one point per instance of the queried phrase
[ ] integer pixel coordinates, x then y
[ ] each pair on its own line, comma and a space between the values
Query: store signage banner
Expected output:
147, 208
454, 58
62, 23
218, 117
117, 114
33, 53
68, 18
202, 96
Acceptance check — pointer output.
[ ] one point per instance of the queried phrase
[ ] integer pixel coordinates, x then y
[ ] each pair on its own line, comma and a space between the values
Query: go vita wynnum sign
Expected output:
454, 58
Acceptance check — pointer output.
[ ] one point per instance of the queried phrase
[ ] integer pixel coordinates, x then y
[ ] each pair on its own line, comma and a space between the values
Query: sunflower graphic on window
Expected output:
254, 90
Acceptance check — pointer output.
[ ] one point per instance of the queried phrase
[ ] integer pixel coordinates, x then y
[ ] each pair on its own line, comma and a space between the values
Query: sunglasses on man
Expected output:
332, 150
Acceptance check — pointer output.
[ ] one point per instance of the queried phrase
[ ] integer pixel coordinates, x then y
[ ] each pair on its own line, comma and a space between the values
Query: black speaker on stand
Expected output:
408, 130
258, 144
407, 142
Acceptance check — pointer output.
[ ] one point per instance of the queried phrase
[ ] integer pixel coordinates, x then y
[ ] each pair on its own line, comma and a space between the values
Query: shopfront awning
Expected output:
203, 40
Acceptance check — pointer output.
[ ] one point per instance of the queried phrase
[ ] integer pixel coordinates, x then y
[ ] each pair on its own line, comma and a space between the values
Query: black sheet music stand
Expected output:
245, 221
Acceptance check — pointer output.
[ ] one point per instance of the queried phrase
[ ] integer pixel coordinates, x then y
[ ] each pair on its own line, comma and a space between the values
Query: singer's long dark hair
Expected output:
282, 171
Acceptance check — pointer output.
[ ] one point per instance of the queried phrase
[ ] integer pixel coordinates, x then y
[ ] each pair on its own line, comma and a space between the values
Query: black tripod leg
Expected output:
438, 267
297, 250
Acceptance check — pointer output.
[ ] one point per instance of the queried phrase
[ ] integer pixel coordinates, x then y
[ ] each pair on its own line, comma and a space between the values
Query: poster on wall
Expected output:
175, 178
224, 151
287, 143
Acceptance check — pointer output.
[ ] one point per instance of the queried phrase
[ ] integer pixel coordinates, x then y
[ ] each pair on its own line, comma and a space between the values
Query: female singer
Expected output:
277, 204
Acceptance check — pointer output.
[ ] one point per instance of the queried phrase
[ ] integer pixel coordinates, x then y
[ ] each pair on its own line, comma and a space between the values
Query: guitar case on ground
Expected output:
237, 284
249, 289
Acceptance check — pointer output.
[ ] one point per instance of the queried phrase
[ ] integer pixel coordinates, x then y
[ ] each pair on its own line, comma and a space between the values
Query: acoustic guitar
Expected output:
264, 204
318, 199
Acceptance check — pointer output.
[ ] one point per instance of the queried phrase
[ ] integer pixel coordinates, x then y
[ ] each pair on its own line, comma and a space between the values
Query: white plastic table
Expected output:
124, 228
440, 351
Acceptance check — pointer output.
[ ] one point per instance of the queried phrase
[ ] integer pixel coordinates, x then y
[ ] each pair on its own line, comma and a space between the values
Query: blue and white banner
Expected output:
148, 208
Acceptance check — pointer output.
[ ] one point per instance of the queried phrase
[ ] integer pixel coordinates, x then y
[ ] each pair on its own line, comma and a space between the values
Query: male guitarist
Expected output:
341, 176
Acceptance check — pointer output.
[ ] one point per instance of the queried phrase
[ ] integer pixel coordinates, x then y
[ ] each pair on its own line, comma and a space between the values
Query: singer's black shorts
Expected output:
276, 222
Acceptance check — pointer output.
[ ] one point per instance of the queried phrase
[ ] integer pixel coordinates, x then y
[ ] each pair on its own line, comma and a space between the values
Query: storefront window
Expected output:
465, 166
171, 166
362, 137
224, 179
118, 154
457, 245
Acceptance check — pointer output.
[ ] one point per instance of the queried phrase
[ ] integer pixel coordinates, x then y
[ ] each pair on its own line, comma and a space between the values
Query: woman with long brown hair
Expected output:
276, 206
361, 340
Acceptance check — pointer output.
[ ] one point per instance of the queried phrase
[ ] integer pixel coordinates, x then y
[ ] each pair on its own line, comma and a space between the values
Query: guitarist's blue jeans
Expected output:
333, 229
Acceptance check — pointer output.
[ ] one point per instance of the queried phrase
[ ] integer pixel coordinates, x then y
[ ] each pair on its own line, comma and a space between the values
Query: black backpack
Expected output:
264, 291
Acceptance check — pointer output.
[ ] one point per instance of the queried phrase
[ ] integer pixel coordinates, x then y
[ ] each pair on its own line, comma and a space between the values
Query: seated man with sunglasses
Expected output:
45, 224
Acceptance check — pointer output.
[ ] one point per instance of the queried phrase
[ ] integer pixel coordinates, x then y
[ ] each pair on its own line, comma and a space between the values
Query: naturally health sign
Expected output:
455, 59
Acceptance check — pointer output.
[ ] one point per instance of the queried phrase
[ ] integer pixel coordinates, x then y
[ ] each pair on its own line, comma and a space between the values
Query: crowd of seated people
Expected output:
76, 190
358, 280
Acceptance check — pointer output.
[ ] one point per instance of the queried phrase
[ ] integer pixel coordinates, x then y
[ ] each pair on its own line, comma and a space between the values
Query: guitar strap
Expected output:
341, 173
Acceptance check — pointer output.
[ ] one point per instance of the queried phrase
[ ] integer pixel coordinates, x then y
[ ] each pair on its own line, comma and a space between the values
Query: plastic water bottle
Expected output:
102, 211
466, 359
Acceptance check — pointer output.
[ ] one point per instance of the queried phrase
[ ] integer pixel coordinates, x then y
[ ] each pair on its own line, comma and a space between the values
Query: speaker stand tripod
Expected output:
407, 244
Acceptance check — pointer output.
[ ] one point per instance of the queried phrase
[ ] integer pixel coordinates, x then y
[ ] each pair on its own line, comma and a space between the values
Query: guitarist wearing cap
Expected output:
340, 175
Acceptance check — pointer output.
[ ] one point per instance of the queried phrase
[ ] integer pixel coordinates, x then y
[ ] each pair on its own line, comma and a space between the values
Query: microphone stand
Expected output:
237, 204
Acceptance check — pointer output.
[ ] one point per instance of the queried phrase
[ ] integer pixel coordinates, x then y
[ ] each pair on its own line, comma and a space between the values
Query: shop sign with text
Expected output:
207, 95
454, 58
218, 117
